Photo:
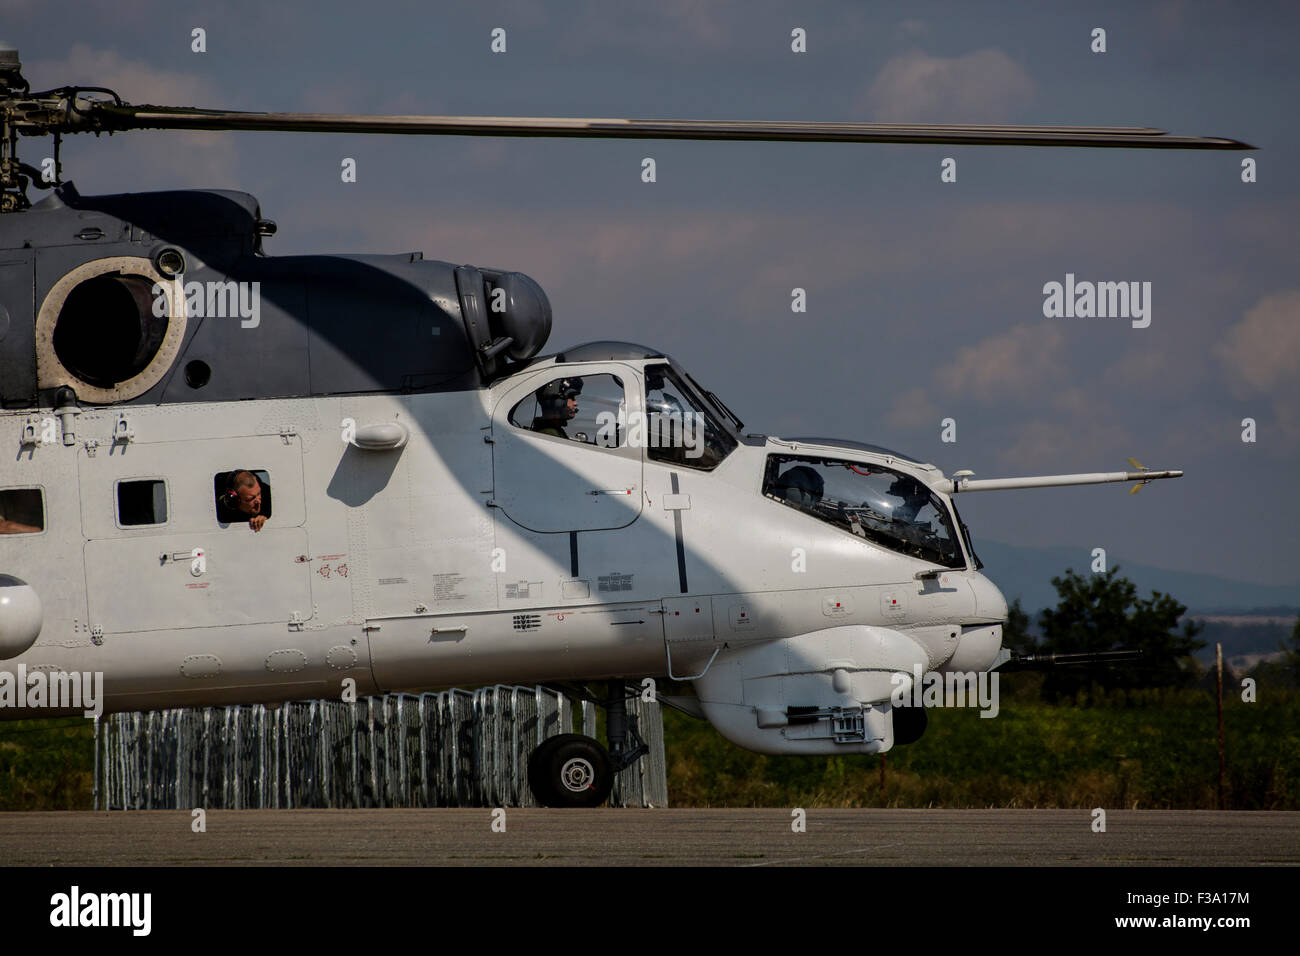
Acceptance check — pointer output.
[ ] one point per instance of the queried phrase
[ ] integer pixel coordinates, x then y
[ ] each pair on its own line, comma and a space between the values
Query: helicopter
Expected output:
243, 478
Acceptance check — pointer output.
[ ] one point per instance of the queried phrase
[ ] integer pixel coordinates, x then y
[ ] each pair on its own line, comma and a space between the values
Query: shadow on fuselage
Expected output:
360, 476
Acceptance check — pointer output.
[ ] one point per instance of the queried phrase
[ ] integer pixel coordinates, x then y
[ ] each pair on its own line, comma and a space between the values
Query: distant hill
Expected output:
1250, 620
1027, 573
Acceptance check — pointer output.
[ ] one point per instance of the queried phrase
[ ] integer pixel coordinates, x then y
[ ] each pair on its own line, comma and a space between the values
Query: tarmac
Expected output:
658, 837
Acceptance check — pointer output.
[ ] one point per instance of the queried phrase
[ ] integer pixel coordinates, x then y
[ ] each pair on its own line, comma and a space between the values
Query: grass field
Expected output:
1149, 749
47, 764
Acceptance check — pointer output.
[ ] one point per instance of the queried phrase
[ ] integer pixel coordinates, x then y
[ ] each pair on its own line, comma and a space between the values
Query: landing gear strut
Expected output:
572, 770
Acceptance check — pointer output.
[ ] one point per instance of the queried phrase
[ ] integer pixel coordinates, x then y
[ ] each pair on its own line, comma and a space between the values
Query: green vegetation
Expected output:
1142, 748
1102, 612
1286, 670
47, 764
1292, 650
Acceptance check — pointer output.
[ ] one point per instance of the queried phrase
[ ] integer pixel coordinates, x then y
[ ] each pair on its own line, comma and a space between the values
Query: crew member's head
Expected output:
802, 485
248, 492
909, 489
559, 400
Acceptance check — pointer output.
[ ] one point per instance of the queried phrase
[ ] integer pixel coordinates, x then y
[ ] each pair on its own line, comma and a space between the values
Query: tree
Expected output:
1102, 612
1292, 648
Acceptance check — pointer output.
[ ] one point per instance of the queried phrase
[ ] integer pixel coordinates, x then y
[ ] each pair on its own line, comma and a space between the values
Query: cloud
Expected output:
912, 30
821, 248
17, 8
1057, 446
980, 87
1148, 362
134, 80
1024, 367
913, 409
674, 28
1170, 15
1261, 353
1260, 356
1023, 362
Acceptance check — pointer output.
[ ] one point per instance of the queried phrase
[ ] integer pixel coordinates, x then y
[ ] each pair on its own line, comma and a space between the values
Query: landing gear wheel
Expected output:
570, 771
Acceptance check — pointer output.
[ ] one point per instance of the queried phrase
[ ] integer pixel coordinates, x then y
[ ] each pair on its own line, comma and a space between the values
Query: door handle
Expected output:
197, 557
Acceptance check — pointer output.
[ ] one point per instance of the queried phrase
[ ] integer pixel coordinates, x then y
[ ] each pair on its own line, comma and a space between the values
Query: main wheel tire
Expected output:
570, 771
538, 781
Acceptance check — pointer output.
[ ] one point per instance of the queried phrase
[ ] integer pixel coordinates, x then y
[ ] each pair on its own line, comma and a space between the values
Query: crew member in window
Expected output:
915, 497
245, 498
801, 485
558, 403
16, 527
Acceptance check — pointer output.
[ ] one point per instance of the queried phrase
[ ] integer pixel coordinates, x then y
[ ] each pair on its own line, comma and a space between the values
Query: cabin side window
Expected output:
589, 409
141, 501
22, 511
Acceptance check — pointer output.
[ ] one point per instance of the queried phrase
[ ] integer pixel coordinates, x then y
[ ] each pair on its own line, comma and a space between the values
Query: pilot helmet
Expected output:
801, 485
908, 488
553, 397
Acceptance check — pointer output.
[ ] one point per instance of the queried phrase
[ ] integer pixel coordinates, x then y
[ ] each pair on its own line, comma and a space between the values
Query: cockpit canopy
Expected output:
879, 504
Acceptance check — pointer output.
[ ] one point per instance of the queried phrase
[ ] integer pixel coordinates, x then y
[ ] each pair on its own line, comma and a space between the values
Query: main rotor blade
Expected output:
111, 116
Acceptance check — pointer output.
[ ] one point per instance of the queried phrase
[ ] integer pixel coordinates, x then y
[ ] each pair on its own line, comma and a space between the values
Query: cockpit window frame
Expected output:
713, 417
777, 463
728, 417
620, 432
973, 561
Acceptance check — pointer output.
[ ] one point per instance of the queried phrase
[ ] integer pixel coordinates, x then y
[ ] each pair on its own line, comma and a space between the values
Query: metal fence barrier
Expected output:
450, 749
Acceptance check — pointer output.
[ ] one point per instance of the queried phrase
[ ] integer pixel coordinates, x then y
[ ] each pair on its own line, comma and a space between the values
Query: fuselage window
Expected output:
878, 504
141, 501
22, 511
589, 409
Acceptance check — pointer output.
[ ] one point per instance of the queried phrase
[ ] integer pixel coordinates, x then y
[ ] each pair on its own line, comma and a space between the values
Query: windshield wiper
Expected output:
719, 405
730, 414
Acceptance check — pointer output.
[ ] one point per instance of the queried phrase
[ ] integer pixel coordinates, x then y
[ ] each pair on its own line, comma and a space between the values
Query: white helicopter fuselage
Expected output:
474, 552
420, 533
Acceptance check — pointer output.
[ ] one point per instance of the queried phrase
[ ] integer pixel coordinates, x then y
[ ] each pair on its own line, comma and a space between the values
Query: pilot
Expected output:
558, 402
801, 485
915, 497
244, 498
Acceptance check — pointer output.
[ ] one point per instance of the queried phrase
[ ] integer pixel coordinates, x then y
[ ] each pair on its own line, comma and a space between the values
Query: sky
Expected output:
925, 298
